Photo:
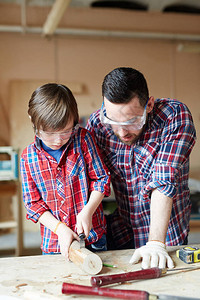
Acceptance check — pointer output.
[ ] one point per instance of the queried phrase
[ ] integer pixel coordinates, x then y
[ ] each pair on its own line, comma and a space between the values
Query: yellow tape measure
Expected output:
189, 254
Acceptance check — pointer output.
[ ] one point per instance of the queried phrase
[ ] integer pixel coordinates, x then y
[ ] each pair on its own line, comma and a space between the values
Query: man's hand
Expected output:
65, 238
153, 254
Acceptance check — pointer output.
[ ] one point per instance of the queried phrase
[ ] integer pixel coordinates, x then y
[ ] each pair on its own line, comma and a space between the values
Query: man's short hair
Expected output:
123, 84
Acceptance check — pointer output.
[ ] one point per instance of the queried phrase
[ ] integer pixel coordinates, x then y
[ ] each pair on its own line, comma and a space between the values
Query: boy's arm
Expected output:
65, 234
49, 221
84, 218
98, 179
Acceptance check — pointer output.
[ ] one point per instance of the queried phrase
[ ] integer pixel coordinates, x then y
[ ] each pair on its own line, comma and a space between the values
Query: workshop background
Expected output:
77, 43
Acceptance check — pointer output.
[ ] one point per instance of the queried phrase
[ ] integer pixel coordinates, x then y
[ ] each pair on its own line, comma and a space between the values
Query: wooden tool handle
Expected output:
110, 279
68, 288
91, 263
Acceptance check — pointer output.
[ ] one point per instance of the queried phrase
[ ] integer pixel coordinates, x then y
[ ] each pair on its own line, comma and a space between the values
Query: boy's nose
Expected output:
58, 138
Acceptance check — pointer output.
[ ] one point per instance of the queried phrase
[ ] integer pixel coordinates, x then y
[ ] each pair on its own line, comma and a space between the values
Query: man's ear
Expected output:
150, 104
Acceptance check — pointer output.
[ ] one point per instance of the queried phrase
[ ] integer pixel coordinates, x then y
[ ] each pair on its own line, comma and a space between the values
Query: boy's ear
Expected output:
32, 123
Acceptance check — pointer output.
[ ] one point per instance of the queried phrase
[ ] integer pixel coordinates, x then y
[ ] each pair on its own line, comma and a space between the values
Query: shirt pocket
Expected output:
77, 184
74, 165
145, 158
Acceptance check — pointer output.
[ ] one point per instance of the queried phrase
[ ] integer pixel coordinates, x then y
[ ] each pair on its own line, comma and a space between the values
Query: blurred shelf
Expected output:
12, 189
8, 224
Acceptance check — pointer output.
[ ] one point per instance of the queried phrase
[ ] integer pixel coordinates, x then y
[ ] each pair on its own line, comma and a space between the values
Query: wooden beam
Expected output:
55, 16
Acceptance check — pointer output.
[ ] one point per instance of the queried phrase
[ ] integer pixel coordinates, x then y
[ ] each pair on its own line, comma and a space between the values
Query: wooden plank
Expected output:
55, 15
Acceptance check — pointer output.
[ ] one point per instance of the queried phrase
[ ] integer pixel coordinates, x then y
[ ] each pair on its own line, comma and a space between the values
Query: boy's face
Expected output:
56, 139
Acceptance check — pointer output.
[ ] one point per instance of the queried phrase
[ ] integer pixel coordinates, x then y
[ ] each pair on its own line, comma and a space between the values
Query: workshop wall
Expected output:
29, 60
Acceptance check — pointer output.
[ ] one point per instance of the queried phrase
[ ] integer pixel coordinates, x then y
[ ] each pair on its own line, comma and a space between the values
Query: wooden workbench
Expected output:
41, 277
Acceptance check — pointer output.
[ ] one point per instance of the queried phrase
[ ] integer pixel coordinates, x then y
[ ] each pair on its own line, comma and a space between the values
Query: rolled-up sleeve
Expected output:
172, 161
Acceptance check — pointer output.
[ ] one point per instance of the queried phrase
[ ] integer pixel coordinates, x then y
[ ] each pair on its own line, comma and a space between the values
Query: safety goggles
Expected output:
52, 136
135, 123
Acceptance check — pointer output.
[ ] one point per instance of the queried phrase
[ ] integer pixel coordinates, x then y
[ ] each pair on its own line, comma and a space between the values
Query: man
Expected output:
146, 145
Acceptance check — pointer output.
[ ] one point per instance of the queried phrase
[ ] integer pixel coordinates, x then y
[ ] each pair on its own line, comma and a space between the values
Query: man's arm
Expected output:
154, 253
161, 207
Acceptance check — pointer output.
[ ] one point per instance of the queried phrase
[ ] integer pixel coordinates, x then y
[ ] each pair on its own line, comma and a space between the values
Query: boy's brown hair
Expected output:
52, 106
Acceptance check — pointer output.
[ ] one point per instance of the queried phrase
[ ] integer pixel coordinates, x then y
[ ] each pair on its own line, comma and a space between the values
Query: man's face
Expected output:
124, 112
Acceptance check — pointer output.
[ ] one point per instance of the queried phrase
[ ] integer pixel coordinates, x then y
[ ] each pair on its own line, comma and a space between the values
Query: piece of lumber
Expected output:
88, 261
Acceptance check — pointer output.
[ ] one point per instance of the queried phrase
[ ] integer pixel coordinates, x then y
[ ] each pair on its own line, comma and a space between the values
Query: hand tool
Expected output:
189, 254
97, 281
82, 240
68, 288
116, 278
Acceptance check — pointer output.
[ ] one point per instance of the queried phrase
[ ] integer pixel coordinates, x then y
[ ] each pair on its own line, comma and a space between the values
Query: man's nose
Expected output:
122, 130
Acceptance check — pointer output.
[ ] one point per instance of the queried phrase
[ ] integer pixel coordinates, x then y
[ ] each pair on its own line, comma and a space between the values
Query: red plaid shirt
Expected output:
63, 188
158, 160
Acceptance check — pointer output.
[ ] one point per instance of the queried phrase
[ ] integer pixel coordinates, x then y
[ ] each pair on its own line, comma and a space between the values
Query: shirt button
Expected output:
62, 203
64, 217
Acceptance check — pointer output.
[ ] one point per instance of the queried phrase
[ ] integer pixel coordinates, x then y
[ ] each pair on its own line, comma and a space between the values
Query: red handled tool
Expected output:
116, 278
68, 288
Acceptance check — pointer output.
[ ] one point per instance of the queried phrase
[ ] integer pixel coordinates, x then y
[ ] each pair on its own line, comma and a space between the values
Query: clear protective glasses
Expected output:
52, 136
135, 123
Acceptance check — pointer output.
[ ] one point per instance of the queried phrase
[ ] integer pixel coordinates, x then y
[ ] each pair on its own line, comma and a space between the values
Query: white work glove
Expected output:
153, 254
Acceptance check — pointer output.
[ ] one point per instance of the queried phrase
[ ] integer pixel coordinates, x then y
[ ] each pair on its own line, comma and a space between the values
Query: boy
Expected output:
63, 176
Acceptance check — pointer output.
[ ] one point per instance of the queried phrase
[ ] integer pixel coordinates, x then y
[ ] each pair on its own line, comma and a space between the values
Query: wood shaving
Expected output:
20, 285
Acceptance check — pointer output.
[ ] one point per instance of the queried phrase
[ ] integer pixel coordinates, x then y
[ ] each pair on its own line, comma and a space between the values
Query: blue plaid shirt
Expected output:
159, 159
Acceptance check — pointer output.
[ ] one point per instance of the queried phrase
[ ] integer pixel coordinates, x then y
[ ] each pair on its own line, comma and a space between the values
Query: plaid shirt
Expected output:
63, 188
159, 159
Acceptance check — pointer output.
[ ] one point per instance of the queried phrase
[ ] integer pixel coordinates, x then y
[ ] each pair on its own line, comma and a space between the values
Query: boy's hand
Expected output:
84, 221
65, 238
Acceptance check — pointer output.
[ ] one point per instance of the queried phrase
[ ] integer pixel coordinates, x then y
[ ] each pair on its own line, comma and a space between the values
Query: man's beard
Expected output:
134, 138
130, 142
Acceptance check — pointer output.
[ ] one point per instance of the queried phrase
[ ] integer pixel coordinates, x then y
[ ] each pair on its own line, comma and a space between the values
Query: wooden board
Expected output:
43, 276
